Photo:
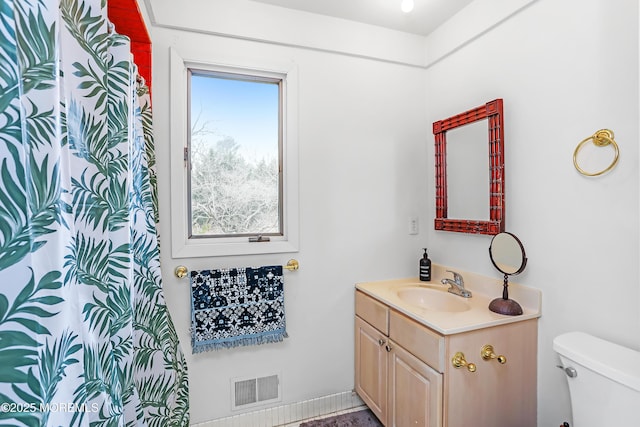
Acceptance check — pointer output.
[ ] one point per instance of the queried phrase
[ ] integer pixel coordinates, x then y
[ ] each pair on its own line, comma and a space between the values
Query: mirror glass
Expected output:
469, 171
507, 253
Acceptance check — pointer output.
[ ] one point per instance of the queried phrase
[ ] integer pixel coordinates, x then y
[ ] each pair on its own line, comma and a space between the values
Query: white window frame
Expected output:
181, 245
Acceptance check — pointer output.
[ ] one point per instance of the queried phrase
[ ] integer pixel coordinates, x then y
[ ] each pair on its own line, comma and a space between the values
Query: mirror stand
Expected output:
505, 305
508, 257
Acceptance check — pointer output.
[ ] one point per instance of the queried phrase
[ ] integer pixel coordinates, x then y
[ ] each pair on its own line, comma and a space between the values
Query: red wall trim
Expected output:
126, 16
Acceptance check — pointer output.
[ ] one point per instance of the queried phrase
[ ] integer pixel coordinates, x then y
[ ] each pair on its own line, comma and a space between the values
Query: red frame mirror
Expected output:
493, 112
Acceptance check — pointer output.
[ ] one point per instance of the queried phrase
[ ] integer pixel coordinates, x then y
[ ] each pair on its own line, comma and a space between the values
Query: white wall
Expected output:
362, 160
564, 69
249, 20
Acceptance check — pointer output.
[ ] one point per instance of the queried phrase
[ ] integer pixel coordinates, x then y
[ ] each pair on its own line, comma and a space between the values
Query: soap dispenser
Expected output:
425, 267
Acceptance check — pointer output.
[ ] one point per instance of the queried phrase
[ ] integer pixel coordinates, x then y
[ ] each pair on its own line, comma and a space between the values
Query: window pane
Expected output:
235, 184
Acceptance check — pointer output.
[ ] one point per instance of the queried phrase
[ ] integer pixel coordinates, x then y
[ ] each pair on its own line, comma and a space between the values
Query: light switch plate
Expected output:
413, 225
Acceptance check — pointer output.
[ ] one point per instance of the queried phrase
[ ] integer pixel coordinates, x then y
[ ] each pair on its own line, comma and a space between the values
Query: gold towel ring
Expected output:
601, 138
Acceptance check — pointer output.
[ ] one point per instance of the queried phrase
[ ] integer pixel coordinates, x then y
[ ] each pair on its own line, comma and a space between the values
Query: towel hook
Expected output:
601, 138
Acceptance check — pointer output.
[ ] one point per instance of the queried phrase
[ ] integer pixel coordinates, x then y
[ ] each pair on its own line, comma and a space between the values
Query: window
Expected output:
234, 155
234, 159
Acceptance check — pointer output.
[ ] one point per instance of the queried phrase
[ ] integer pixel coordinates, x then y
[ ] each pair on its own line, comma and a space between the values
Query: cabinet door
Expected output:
371, 368
415, 391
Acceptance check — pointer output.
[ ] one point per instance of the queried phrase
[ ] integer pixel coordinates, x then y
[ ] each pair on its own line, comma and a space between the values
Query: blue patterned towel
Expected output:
236, 306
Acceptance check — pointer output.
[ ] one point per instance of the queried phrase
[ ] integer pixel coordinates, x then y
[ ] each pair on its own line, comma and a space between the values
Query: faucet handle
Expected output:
456, 276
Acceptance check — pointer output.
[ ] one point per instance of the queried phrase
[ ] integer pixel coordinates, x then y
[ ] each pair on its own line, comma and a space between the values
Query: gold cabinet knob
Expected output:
487, 353
458, 361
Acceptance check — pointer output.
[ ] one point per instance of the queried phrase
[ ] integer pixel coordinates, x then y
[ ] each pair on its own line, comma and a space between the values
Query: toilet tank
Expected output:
606, 389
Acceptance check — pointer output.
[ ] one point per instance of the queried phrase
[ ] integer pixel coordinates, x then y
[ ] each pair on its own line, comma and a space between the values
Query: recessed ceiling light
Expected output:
406, 6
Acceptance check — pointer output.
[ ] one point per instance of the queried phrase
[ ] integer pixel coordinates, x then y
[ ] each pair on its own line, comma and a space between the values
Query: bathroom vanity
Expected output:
425, 357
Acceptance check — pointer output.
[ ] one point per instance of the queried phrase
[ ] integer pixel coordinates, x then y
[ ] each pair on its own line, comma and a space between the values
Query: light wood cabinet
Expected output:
495, 395
414, 390
371, 368
398, 387
404, 371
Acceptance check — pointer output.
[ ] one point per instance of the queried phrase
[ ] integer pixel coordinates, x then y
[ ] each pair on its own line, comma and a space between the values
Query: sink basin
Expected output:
432, 299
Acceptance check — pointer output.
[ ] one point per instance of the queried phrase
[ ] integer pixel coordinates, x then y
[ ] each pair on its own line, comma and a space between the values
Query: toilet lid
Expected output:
614, 361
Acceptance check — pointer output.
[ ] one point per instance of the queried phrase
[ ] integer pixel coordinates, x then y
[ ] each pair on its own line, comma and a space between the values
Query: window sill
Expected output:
206, 248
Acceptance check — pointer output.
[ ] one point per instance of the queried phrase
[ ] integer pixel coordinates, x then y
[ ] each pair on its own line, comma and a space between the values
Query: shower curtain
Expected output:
85, 335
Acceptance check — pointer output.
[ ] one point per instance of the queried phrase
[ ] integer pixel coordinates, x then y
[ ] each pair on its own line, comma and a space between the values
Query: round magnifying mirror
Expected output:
507, 255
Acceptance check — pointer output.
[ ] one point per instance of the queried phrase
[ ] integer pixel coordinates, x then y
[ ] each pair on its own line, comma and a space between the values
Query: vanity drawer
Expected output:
373, 312
419, 340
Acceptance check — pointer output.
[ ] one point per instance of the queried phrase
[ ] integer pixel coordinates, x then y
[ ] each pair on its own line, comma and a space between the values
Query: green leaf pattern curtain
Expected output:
85, 335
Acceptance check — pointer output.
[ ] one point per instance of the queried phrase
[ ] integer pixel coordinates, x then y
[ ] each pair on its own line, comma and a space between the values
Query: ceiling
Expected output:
426, 16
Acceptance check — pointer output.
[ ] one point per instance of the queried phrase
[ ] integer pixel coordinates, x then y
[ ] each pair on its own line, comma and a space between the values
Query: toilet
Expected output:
604, 380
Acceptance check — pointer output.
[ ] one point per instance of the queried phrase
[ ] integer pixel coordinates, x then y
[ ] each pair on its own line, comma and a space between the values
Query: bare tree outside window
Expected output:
234, 153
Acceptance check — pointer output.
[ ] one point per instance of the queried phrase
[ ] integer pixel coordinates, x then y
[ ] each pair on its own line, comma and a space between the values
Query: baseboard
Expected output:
291, 413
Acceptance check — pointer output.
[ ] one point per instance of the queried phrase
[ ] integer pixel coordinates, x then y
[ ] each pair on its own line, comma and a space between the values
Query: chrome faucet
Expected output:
456, 286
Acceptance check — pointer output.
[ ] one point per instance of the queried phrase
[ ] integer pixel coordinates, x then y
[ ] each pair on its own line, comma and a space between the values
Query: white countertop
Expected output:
484, 290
